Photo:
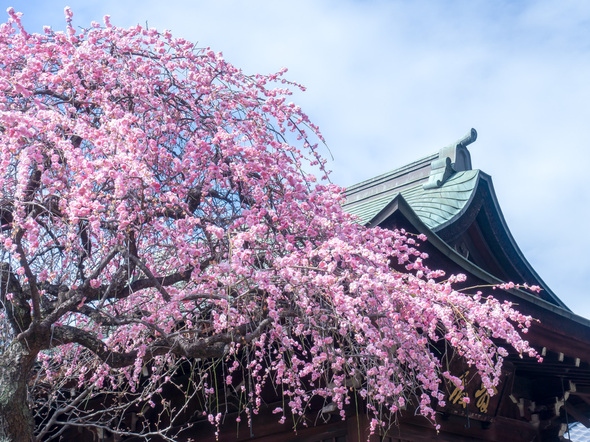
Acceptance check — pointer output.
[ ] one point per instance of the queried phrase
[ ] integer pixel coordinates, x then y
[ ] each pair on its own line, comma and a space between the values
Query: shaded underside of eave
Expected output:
504, 243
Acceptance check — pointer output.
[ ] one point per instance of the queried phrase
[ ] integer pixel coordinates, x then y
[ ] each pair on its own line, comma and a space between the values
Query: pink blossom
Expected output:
175, 182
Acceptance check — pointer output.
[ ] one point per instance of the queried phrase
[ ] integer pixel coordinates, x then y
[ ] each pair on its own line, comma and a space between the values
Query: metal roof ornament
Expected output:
453, 158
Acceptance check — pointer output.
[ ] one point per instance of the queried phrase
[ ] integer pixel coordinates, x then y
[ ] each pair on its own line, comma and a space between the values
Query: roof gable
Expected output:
460, 207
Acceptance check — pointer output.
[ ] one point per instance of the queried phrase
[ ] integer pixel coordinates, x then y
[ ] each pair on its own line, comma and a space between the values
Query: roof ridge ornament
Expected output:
453, 158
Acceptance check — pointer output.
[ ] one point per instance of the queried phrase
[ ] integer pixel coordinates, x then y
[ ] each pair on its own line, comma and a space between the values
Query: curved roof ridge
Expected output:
507, 242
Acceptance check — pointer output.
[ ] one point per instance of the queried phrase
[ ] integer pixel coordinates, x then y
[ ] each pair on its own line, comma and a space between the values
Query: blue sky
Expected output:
392, 81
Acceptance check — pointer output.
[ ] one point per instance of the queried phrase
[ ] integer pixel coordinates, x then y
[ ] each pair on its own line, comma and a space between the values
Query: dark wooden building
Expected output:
456, 208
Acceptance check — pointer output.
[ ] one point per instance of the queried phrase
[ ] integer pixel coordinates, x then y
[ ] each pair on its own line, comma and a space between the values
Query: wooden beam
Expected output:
581, 390
577, 414
584, 397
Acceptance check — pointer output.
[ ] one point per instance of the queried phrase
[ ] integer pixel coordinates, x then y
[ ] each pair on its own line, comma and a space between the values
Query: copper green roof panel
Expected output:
435, 207
438, 206
368, 198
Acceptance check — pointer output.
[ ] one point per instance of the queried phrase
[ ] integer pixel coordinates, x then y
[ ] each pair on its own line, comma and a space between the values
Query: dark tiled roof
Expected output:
437, 187
435, 207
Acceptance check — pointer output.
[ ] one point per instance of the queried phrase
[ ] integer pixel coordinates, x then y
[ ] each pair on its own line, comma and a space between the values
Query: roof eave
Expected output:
400, 205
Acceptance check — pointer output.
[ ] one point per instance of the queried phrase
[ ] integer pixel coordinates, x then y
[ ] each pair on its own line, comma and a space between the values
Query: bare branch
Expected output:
150, 275
195, 296
146, 283
63, 410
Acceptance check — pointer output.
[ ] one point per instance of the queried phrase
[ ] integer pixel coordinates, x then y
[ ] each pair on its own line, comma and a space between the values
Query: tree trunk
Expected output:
16, 423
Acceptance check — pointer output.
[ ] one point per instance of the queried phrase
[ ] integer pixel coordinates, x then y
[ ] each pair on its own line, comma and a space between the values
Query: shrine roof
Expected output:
457, 204
436, 206
437, 187
457, 209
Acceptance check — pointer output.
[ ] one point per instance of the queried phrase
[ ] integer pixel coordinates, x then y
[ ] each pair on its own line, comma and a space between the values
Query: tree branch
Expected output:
102, 265
18, 310
205, 348
65, 334
146, 283
150, 275
35, 297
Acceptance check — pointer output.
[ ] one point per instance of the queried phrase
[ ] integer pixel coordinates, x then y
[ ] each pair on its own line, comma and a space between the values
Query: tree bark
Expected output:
16, 422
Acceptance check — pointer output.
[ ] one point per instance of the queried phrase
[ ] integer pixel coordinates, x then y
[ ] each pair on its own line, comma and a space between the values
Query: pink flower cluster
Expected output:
129, 155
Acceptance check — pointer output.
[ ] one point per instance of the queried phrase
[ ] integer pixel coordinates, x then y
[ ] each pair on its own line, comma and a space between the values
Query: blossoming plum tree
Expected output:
155, 212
